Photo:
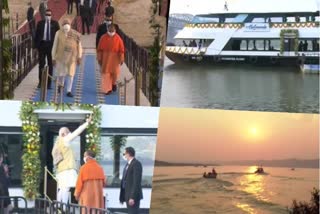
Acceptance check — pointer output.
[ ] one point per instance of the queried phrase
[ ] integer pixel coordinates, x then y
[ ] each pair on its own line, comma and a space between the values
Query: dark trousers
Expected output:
85, 21
32, 28
77, 6
135, 208
70, 6
45, 53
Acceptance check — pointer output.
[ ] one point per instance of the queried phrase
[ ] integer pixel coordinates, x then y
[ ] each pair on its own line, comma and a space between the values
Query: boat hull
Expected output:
310, 68
179, 58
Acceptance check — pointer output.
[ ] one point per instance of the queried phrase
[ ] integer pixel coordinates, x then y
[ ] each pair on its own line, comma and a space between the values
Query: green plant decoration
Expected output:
31, 164
296, 39
6, 55
154, 56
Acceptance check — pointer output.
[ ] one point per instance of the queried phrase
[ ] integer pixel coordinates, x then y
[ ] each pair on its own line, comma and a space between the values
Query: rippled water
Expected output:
236, 190
240, 87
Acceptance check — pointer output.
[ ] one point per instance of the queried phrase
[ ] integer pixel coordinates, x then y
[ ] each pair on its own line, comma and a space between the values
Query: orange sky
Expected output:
219, 135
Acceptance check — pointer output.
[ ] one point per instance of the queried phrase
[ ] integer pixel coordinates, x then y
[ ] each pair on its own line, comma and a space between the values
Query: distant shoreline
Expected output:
288, 163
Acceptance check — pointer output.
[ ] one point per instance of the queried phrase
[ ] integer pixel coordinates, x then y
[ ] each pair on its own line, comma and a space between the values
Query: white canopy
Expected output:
243, 6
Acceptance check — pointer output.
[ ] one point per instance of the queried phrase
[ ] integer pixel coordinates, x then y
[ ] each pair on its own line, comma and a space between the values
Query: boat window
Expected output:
198, 19
259, 45
291, 19
144, 146
243, 45
275, 45
11, 145
276, 19
251, 45
303, 19
258, 20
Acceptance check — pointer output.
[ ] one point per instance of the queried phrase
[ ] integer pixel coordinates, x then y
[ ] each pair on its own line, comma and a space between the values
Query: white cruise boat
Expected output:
271, 32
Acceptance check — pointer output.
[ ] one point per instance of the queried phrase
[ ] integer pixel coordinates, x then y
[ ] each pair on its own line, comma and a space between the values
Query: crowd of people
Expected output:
91, 180
61, 48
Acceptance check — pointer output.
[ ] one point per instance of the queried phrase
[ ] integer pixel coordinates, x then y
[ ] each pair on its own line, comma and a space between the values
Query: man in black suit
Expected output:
85, 13
31, 20
45, 33
131, 190
103, 28
109, 11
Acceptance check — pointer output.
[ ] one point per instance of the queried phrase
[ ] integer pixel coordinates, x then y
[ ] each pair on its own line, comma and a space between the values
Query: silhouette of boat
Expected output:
259, 171
212, 174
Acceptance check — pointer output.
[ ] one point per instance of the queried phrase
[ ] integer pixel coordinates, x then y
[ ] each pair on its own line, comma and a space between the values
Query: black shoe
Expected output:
114, 87
69, 94
109, 92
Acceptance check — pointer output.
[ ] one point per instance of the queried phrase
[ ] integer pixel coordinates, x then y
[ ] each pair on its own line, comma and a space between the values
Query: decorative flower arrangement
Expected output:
296, 39
31, 162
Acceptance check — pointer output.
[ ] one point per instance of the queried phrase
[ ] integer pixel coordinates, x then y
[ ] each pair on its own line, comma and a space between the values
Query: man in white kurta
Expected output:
66, 168
66, 55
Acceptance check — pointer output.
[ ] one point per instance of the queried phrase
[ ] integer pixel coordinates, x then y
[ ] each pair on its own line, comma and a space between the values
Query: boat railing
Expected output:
241, 24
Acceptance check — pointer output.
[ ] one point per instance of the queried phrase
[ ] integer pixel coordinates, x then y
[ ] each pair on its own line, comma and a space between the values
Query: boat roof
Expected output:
203, 7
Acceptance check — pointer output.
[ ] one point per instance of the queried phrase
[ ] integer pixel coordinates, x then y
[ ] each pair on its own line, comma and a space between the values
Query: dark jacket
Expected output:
4, 187
30, 14
102, 29
54, 26
109, 11
85, 10
133, 189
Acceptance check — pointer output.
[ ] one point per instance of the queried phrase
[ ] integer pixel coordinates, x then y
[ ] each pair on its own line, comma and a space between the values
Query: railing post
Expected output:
44, 82
137, 87
125, 91
45, 182
55, 90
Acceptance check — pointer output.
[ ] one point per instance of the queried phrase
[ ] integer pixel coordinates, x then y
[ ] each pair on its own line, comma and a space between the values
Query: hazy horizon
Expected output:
200, 135
225, 161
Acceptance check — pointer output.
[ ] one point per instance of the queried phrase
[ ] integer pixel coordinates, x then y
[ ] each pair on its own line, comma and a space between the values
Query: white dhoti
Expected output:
66, 179
63, 70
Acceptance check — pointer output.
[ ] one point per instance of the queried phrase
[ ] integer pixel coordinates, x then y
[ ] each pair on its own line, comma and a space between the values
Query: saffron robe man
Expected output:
66, 167
66, 54
110, 54
90, 183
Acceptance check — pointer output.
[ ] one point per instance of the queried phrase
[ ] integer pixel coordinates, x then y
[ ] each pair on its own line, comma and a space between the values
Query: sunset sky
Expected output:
186, 135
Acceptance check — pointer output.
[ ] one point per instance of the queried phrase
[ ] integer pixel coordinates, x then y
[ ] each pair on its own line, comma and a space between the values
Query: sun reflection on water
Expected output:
246, 208
254, 184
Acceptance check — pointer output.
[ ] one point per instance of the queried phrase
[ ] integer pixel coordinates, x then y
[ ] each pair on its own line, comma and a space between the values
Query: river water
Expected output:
239, 87
236, 190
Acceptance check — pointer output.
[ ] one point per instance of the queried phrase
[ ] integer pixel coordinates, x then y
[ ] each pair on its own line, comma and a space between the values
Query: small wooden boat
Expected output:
259, 170
210, 175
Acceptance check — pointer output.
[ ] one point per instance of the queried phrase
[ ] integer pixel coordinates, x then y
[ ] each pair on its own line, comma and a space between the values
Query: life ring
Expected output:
186, 58
217, 59
273, 60
253, 59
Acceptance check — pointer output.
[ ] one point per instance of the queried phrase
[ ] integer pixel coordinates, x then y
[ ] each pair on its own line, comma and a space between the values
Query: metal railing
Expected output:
56, 207
137, 60
24, 58
14, 201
